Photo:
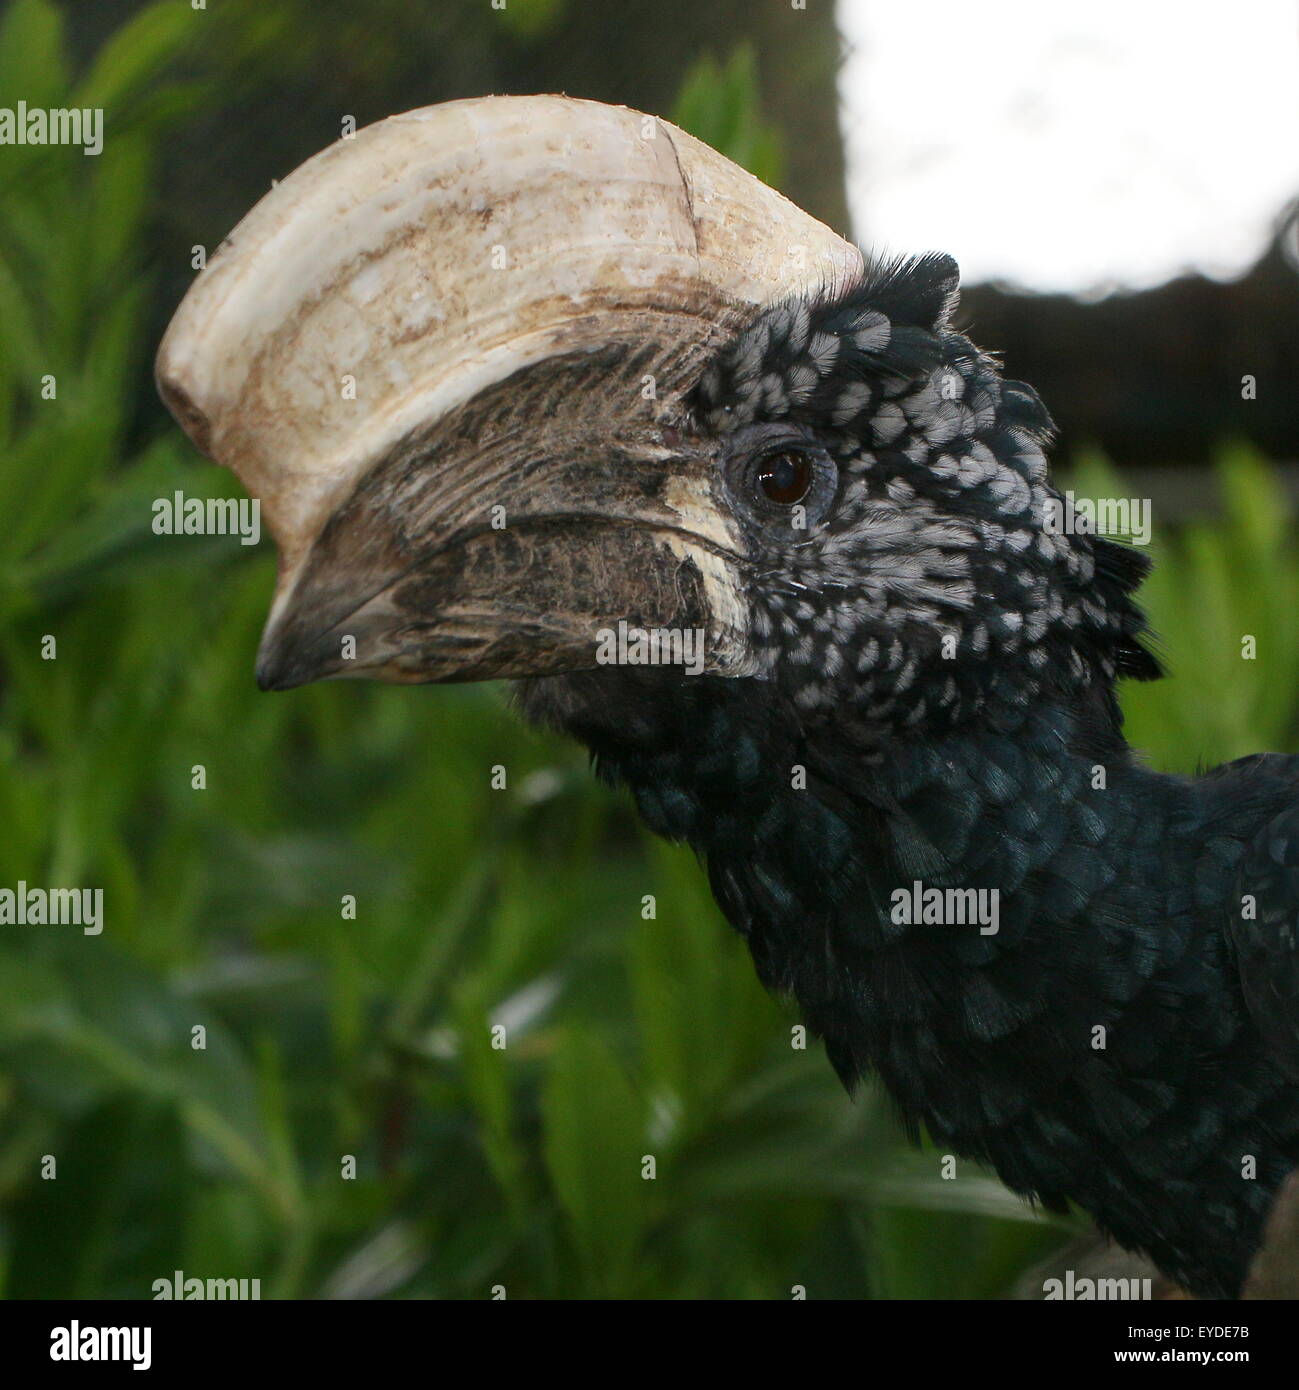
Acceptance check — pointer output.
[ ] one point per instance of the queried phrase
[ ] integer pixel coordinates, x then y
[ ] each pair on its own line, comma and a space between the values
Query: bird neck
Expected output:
1061, 1031
924, 905
945, 893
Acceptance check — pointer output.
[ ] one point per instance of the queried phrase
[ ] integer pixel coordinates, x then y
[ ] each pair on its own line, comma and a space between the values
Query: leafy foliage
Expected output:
718, 103
1216, 585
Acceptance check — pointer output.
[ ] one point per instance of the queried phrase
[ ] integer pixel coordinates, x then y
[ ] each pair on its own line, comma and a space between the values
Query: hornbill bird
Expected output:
510, 372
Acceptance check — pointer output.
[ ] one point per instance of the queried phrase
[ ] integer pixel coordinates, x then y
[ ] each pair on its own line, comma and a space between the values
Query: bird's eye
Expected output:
784, 477
779, 476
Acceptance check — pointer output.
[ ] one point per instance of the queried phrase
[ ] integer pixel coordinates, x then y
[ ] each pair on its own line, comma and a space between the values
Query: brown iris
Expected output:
785, 477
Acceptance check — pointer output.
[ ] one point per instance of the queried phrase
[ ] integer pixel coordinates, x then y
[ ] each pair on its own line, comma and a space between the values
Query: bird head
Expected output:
514, 375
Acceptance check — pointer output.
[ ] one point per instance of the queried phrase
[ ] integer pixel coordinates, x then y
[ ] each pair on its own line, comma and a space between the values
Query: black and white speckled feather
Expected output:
940, 530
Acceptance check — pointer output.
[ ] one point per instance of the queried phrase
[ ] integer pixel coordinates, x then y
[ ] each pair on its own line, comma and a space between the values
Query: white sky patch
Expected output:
1075, 148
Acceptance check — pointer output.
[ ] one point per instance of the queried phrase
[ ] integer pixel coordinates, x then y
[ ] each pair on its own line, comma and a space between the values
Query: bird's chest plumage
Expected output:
1084, 1037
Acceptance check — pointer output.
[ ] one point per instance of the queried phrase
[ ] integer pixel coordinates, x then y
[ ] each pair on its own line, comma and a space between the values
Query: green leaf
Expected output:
594, 1146
721, 106
137, 53
529, 19
107, 1019
32, 64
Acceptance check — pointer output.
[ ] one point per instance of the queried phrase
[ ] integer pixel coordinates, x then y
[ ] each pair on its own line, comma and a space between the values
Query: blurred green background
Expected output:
330, 1034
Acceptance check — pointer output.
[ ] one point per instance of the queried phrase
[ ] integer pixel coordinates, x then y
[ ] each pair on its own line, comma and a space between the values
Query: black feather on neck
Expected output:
989, 1042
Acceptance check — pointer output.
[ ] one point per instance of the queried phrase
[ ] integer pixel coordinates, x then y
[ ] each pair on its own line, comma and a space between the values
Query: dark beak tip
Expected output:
269, 677
278, 669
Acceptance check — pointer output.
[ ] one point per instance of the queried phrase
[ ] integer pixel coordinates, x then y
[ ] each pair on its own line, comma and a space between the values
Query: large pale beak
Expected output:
448, 356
